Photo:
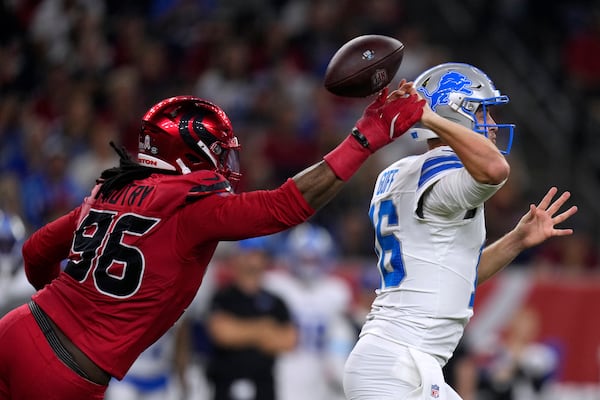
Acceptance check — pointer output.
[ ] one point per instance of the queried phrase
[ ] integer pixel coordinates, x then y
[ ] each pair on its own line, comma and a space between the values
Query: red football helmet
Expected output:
185, 134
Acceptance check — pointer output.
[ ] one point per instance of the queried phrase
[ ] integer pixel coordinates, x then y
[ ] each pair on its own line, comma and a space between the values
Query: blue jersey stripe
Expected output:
433, 161
430, 173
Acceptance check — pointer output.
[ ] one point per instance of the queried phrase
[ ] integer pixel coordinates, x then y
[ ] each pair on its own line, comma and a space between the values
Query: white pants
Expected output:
379, 369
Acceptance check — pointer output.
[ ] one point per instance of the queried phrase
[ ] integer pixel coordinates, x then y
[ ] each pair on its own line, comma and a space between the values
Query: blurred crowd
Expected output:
77, 74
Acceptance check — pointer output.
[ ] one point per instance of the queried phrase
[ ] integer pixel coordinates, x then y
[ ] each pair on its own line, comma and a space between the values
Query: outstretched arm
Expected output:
536, 226
385, 119
318, 184
265, 212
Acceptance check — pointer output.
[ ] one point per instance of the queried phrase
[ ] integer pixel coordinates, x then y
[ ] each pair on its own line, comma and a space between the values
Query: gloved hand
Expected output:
387, 118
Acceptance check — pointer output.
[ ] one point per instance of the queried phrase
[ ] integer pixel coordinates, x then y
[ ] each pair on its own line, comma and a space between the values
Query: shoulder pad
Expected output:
207, 182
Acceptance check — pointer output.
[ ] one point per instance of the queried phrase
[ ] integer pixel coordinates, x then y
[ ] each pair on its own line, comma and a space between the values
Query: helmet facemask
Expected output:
470, 106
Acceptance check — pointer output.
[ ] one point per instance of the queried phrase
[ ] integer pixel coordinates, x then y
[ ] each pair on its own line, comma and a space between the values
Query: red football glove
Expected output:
383, 120
381, 123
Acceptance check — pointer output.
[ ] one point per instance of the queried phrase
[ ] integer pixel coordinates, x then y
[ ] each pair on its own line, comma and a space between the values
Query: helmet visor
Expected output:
231, 161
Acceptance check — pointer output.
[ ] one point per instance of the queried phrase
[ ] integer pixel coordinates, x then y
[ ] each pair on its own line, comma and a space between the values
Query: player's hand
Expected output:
388, 117
408, 88
404, 89
539, 224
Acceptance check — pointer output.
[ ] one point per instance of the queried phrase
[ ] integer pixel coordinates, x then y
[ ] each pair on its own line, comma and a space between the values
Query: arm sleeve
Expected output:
456, 192
245, 215
47, 247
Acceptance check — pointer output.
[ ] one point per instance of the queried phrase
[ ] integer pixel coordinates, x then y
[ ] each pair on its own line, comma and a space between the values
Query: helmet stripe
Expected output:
197, 146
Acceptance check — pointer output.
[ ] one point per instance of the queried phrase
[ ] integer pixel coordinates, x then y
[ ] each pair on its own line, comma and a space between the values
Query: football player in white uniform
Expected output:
320, 304
428, 215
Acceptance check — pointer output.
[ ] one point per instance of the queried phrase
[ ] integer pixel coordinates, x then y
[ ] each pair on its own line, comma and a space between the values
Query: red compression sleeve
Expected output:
47, 247
347, 158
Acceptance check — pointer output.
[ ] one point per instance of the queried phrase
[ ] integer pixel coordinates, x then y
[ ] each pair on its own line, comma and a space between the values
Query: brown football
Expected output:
363, 66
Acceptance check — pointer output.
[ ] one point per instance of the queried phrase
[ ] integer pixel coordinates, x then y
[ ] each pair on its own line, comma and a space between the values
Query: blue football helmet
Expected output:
309, 250
456, 91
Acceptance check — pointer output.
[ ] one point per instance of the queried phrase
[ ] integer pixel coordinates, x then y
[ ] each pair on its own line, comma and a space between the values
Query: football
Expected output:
363, 66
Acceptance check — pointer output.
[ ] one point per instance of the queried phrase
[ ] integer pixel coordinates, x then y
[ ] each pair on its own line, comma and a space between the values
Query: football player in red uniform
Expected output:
138, 246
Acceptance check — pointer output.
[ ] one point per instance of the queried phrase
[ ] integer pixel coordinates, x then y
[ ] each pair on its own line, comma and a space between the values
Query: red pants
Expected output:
30, 370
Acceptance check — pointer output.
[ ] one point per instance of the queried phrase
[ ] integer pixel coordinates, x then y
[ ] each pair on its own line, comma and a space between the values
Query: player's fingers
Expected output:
562, 232
562, 217
529, 215
414, 91
556, 205
382, 96
406, 88
545, 202
393, 96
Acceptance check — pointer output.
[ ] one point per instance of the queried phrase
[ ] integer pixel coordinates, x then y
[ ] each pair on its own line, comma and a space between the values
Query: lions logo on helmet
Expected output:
450, 82
457, 91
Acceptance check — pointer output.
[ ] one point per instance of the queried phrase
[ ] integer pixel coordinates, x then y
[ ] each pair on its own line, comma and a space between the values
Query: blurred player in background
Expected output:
155, 374
139, 245
321, 307
249, 328
428, 215
14, 288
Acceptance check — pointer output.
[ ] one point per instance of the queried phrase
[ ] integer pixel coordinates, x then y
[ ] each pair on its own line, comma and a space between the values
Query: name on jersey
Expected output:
130, 195
386, 180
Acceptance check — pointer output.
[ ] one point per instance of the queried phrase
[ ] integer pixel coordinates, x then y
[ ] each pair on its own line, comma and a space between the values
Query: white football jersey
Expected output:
149, 378
314, 369
428, 216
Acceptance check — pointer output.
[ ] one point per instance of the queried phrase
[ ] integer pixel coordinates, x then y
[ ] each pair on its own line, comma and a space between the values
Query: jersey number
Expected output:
394, 272
99, 243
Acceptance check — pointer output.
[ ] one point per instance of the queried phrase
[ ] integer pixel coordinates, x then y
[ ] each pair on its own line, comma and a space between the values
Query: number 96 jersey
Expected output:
428, 249
136, 258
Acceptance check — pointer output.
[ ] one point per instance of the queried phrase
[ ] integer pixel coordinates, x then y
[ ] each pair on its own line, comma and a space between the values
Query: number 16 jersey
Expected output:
428, 216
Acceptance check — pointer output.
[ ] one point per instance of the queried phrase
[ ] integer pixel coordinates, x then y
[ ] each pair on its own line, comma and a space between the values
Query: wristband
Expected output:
362, 139
347, 157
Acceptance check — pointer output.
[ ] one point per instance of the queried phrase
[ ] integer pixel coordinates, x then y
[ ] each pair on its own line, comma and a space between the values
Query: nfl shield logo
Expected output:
435, 391
379, 79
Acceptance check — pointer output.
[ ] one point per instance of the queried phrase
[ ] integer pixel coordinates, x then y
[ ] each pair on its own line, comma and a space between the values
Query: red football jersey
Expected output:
136, 259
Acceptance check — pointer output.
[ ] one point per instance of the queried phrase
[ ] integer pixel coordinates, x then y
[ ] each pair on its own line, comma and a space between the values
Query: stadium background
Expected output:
75, 74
